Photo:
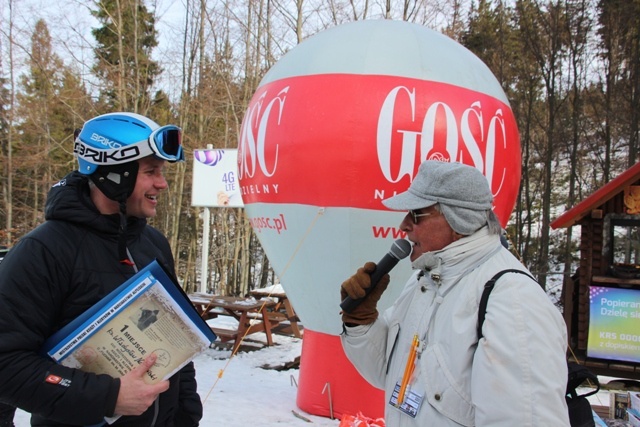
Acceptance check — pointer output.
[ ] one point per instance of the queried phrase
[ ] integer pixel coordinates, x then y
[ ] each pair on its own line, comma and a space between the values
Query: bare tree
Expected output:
578, 29
543, 32
8, 150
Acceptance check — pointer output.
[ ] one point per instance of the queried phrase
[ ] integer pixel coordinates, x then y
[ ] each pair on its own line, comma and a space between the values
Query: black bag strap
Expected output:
577, 374
488, 287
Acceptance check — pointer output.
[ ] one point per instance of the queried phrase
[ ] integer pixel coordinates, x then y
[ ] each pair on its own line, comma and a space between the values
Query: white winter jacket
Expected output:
514, 376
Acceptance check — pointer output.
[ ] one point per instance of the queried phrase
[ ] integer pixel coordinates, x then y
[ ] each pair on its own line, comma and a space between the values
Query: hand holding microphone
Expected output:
356, 288
362, 291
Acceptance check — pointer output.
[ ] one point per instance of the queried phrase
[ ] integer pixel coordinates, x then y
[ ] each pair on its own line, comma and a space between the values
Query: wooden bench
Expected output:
225, 335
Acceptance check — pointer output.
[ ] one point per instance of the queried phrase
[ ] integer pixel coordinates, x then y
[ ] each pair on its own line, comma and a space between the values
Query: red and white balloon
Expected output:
340, 123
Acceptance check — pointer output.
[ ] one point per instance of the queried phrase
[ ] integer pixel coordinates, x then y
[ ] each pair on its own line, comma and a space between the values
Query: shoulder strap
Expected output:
484, 299
577, 375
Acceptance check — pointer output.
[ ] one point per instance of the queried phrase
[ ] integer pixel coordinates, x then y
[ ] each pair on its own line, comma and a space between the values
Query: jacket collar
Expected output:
69, 200
448, 265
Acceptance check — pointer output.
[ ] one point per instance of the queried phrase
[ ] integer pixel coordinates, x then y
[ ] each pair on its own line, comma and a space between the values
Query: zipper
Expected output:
393, 349
156, 410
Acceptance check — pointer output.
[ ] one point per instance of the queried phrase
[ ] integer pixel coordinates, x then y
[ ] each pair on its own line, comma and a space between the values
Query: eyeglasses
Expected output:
166, 143
415, 215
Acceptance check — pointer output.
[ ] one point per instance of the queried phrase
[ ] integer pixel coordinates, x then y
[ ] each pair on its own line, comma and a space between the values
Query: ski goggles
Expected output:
166, 143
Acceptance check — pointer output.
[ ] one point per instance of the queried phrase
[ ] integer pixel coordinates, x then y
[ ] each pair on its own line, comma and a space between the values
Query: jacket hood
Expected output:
69, 200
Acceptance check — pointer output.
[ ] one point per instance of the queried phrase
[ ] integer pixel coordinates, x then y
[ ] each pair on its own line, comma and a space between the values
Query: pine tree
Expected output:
52, 103
123, 53
36, 151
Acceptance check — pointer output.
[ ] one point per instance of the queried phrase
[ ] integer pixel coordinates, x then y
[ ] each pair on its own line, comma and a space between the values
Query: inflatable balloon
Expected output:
340, 123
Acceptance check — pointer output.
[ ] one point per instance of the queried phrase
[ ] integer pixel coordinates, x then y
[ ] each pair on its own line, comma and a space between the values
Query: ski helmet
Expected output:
108, 147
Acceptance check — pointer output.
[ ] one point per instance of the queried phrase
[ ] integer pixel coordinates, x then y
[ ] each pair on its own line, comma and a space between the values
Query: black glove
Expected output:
355, 287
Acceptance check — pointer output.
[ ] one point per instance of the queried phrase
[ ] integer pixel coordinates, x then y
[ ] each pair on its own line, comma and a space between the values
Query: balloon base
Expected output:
329, 385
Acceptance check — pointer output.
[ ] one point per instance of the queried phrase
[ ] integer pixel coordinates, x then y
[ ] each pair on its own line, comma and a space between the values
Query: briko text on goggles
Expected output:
164, 143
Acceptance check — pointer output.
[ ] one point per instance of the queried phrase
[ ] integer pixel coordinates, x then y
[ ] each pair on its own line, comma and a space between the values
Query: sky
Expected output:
70, 24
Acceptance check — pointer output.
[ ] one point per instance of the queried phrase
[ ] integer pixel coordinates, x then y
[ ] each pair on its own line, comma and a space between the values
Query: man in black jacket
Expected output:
94, 238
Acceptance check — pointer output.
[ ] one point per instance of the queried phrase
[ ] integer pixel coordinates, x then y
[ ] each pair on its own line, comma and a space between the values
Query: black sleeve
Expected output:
7, 414
33, 285
189, 410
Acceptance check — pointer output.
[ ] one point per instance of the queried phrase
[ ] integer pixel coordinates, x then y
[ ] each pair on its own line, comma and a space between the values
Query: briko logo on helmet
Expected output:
105, 141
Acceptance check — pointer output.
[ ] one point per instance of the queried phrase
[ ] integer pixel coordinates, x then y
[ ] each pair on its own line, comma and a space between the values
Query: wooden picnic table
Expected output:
251, 314
282, 310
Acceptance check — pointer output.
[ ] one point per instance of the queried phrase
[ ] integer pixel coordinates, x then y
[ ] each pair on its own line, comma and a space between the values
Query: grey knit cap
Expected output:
462, 191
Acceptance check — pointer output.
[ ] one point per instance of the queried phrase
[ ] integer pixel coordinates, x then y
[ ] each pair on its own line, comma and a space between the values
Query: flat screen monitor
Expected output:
614, 323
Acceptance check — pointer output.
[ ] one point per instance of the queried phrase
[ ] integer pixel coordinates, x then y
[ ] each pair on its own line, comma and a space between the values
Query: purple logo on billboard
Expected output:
208, 157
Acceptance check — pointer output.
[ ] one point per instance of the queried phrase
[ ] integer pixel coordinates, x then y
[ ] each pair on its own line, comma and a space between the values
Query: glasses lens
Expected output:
414, 216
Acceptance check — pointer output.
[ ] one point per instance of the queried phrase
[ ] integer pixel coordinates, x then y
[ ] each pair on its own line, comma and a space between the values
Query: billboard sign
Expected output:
215, 178
614, 324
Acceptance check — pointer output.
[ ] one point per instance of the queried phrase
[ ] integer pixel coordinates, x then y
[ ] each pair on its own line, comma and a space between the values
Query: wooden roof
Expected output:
597, 199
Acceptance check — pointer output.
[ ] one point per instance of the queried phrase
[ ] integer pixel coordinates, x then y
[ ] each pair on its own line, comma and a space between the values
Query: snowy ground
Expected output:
250, 394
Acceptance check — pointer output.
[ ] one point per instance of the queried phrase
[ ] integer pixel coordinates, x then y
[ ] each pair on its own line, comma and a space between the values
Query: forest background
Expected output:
570, 69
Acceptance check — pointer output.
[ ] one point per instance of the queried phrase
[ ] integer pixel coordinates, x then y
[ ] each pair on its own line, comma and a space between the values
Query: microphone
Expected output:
400, 249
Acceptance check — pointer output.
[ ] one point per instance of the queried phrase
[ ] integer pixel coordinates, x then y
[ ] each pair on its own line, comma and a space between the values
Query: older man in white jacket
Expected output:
424, 351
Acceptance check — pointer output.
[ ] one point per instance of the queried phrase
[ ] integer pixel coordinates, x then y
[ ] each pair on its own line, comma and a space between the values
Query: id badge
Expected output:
411, 403
403, 396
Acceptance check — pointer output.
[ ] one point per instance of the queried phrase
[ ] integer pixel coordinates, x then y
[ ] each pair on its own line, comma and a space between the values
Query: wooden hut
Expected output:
609, 261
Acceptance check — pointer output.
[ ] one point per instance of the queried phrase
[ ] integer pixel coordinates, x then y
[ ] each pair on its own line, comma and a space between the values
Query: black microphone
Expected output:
400, 249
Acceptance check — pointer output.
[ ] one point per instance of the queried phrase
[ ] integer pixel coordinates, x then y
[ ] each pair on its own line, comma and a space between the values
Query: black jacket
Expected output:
51, 276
